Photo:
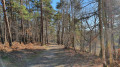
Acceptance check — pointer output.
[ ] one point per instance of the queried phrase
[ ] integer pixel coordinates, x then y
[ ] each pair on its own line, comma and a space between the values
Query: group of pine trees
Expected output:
22, 20
85, 24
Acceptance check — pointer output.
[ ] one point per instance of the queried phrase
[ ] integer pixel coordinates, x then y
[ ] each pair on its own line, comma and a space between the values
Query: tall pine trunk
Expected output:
7, 22
58, 33
46, 38
41, 31
22, 27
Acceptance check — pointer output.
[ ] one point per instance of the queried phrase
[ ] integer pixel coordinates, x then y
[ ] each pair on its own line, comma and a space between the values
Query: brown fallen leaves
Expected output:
17, 46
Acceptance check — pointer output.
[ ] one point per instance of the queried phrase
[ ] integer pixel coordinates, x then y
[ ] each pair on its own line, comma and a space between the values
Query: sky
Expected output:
54, 3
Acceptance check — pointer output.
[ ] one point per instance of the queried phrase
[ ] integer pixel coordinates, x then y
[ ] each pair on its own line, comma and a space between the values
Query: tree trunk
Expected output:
62, 35
46, 38
41, 36
58, 33
0, 33
22, 26
96, 38
108, 32
101, 33
6, 22
90, 45
110, 49
112, 39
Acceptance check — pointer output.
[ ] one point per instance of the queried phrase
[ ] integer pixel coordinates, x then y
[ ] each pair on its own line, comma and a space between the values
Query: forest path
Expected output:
53, 56
57, 56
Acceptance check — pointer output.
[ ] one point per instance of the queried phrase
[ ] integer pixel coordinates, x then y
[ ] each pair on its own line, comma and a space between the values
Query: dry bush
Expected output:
29, 46
16, 46
1, 46
5, 47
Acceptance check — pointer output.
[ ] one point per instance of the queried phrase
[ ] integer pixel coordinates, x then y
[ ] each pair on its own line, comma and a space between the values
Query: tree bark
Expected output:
7, 22
41, 36
46, 38
63, 20
22, 25
101, 33
58, 33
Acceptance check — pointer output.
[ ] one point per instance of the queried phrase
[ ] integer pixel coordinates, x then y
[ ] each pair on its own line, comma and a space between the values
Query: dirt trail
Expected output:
53, 56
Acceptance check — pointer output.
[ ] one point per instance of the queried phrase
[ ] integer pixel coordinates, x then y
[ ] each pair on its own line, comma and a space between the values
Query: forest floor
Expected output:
51, 56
